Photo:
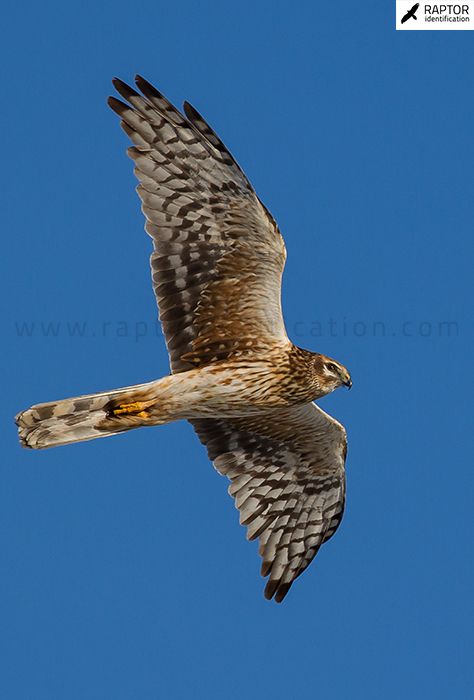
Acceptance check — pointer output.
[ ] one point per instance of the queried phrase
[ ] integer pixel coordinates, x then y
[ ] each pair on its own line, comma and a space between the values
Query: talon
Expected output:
138, 408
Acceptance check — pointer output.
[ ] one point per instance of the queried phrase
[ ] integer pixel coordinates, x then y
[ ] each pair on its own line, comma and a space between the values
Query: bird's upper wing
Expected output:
219, 255
288, 481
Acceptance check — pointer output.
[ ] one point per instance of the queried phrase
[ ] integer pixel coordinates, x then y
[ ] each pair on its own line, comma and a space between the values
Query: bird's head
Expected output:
330, 374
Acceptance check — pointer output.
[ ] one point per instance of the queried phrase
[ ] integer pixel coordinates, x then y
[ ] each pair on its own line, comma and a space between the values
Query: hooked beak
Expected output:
347, 381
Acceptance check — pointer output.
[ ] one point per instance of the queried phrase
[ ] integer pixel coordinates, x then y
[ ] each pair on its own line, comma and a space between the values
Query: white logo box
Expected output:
435, 16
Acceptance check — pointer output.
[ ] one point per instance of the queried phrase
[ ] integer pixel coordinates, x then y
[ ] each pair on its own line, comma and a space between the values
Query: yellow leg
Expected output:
137, 409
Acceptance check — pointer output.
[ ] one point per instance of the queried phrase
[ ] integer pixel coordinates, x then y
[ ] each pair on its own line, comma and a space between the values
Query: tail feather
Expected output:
84, 417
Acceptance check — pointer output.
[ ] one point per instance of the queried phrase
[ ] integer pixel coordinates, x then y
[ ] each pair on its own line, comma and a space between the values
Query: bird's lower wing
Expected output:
287, 472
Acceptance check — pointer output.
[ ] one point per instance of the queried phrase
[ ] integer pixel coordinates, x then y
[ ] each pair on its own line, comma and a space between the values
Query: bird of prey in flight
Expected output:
410, 13
235, 376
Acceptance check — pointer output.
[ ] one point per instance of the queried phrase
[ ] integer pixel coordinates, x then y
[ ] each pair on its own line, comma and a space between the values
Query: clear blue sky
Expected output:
125, 574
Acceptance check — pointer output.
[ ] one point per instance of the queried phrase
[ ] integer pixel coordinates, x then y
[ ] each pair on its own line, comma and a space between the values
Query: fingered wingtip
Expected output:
276, 589
147, 89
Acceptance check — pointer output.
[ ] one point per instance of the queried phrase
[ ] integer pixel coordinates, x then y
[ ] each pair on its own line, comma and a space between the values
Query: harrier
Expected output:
235, 376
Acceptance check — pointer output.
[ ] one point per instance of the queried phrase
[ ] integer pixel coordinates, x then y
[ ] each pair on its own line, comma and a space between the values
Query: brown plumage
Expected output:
247, 390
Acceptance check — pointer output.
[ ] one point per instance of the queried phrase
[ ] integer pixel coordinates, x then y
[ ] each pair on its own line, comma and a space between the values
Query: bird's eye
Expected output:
331, 367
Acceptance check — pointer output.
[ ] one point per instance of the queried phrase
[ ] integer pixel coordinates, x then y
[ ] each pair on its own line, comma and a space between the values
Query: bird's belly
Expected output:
225, 390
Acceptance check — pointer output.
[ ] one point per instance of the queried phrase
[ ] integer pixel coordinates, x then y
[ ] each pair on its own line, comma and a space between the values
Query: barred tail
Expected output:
85, 417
